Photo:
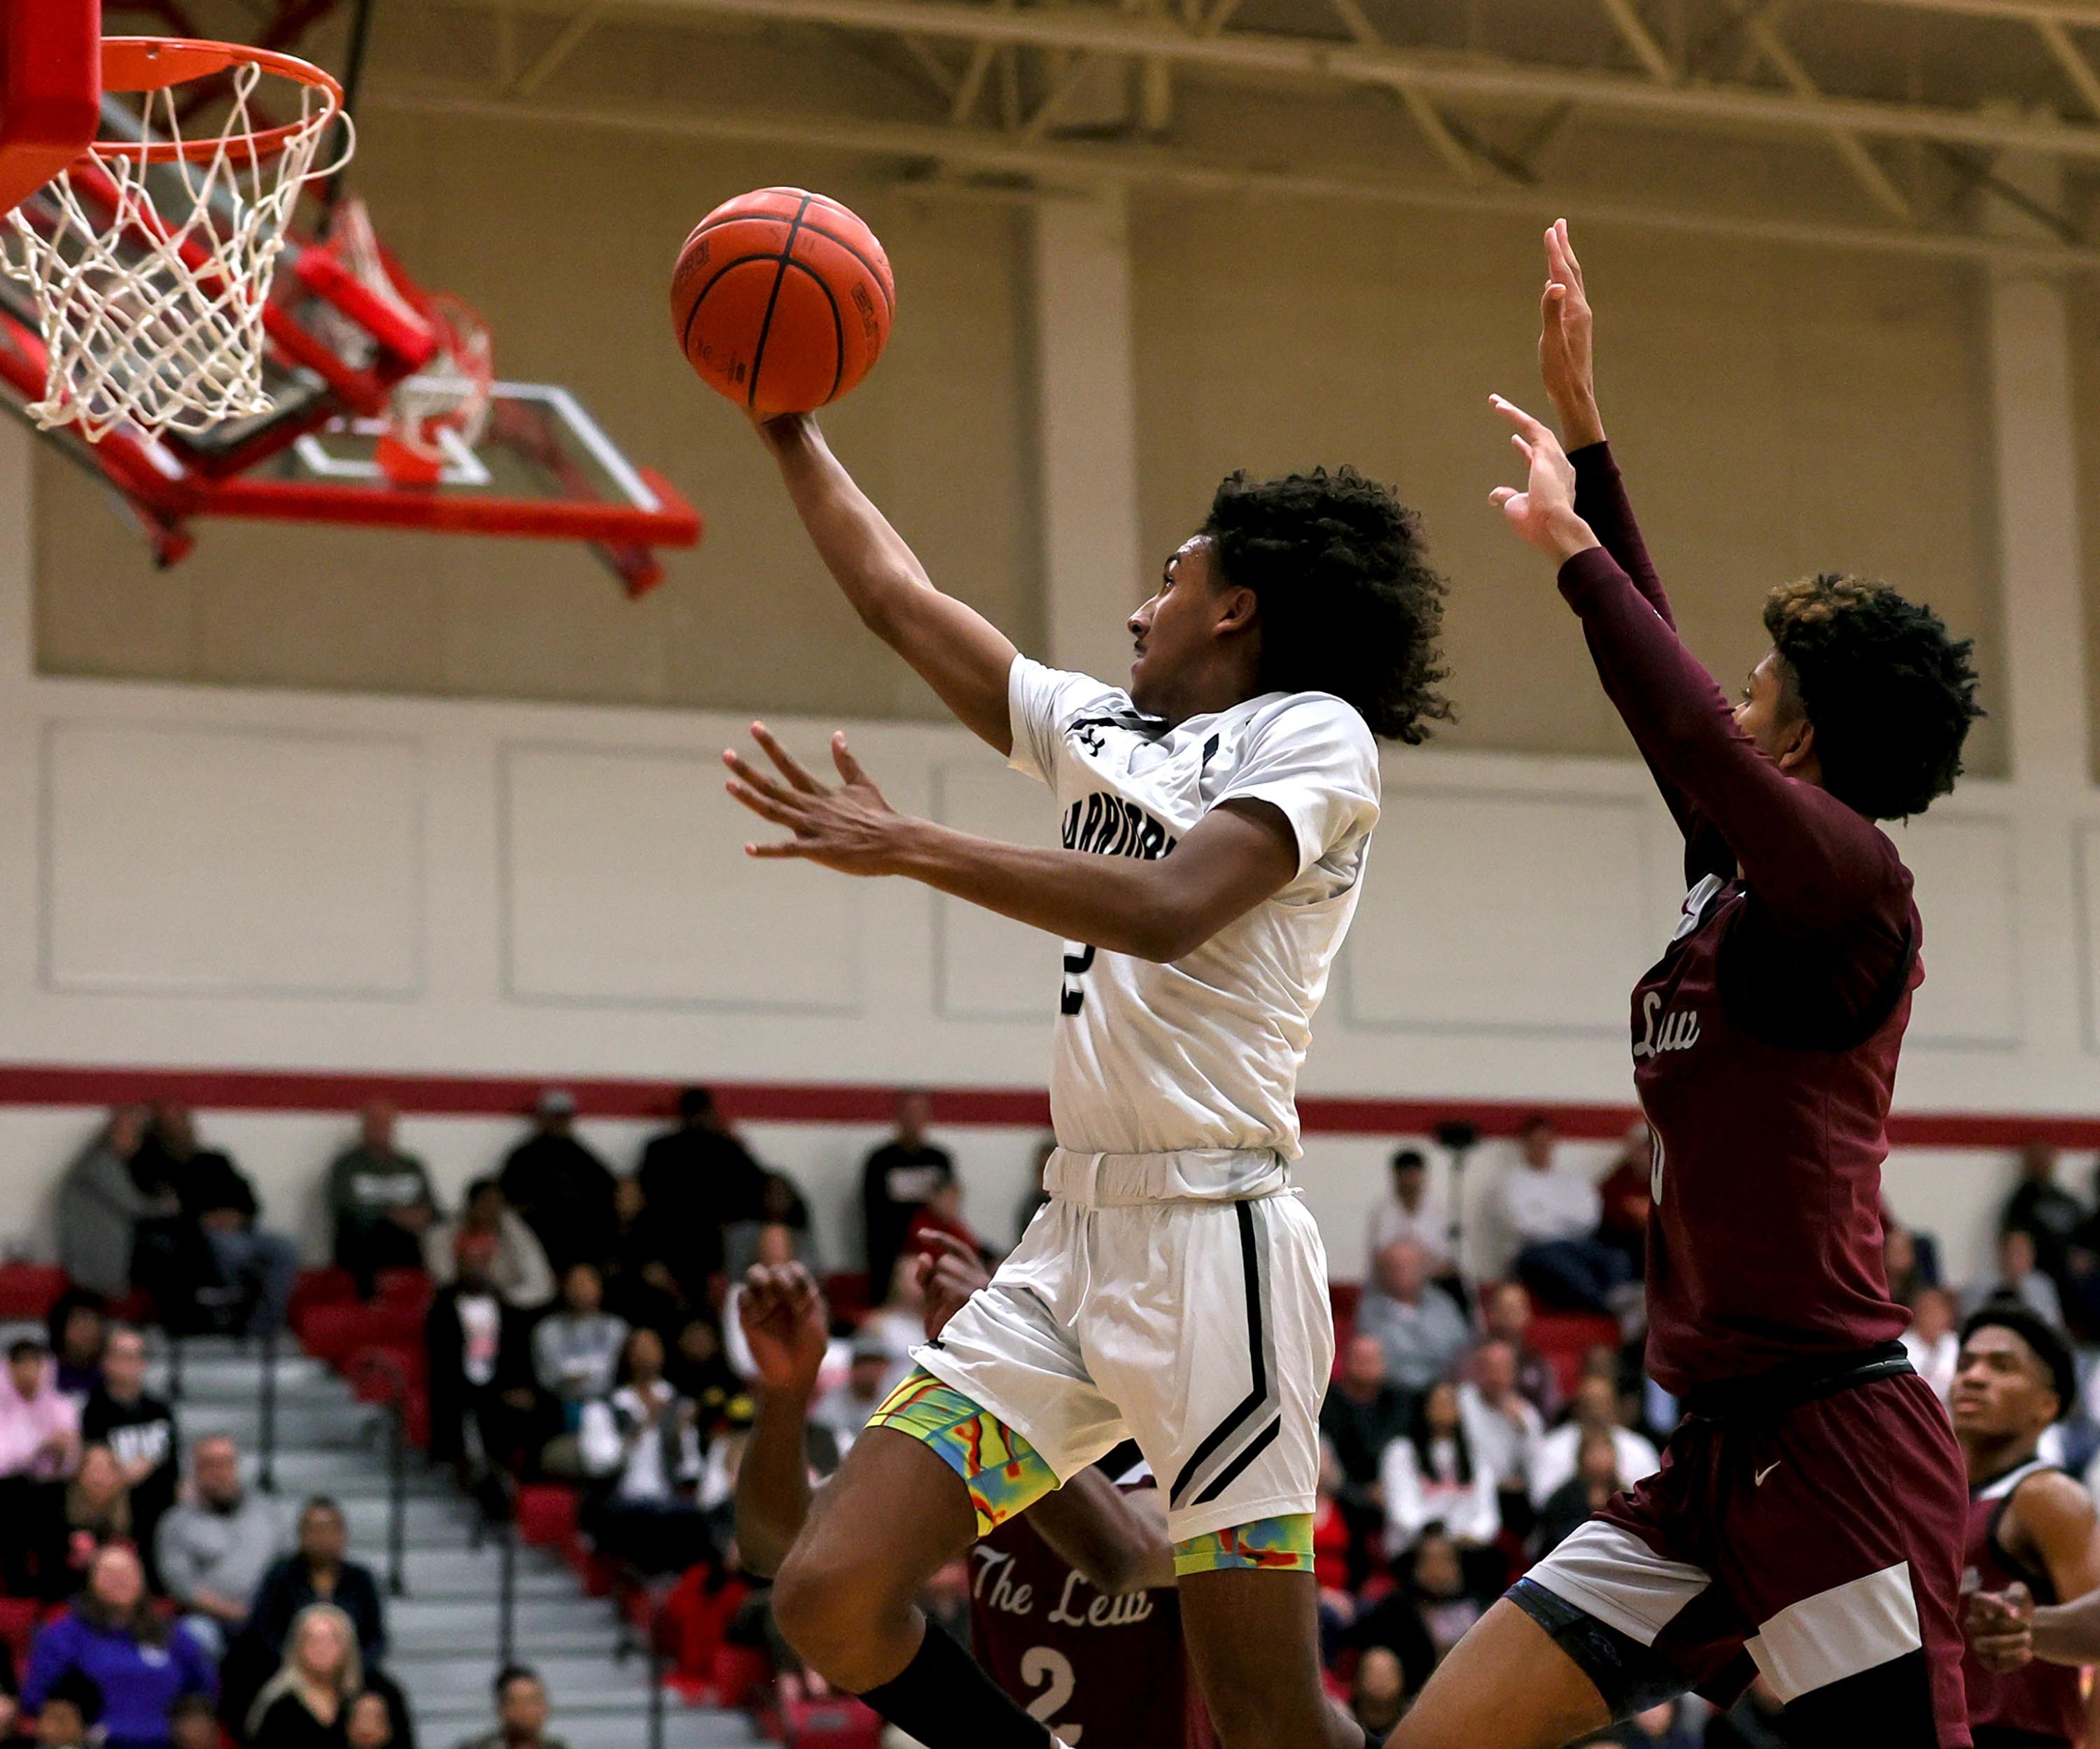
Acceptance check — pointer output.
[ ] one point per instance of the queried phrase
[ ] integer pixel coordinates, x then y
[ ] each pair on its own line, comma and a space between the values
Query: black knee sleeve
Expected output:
1630, 1677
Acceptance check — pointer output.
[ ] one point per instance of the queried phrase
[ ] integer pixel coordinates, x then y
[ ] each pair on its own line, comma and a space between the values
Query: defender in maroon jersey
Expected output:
1809, 1515
1073, 1608
2029, 1525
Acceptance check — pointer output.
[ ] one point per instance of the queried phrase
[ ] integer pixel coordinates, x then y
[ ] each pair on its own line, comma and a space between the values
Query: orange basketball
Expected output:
781, 300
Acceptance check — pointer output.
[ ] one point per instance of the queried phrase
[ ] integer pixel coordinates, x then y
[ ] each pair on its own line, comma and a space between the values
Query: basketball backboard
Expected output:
51, 90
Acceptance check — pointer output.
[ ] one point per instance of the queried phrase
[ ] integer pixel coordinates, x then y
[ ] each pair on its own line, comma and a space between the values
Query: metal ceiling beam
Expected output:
1080, 164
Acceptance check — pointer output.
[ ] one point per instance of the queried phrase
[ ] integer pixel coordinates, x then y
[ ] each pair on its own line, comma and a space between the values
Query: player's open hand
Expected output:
949, 1273
849, 826
1543, 510
782, 1315
1565, 329
1999, 1626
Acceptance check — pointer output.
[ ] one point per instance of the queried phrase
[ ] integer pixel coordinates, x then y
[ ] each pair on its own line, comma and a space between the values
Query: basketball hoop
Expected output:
150, 259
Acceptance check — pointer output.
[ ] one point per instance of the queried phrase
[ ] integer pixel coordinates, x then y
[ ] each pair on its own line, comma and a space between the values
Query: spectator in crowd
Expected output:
215, 1547
641, 1445
1932, 1341
1406, 1211
369, 1723
845, 1408
561, 1189
302, 1706
218, 1200
1900, 1262
194, 1722
320, 1571
70, 1714
899, 1323
78, 1326
1421, 1331
1552, 1214
698, 1369
103, 1202
1378, 1695
1624, 1198
699, 1179
521, 1714
483, 1409
1365, 1411
576, 1347
2018, 1278
39, 1450
780, 1205
1508, 1319
1596, 1411
139, 1429
380, 1198
1583, 1495
97, 1511
511, 1257
640, 1285
896, 1179
2044, 1210
112, 1635
1429, 1476
941, 1216
1502, 1428
1428, 1611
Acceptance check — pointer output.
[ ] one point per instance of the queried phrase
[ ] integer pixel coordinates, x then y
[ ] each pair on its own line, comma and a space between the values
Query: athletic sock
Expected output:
944, 1699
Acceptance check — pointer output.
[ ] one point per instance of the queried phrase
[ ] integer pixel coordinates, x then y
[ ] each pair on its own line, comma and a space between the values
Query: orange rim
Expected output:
154, 64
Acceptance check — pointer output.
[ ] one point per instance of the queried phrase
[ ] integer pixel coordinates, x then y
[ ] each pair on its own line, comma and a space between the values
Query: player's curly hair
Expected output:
1349, 605
1891, 693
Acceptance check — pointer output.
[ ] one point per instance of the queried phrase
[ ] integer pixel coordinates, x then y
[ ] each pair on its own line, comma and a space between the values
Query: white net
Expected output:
151, 278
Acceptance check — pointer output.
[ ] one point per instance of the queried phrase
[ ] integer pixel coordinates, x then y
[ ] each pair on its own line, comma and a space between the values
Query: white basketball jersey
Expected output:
1204, 1053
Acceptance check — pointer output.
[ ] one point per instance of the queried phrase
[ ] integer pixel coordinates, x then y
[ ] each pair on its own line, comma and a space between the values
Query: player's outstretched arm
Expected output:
1240, 854
782, 1315
1566, 353
2050, 1521
958, 652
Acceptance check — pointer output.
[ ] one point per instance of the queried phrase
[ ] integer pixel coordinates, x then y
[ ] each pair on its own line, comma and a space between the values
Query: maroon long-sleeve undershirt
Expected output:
1817, 871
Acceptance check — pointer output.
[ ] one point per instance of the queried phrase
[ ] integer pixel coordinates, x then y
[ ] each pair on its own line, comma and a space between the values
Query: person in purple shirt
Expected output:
112, 1636
1807, 1522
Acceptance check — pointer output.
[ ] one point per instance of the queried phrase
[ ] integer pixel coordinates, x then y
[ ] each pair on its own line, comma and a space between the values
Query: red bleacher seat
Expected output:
1563, 1339
840, 1722
547, 1514
28, 1290
325, 1286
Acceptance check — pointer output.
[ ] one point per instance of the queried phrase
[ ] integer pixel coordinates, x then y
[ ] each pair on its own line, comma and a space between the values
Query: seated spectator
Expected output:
214, 1546
576, 1346
780, 1205
1900, 1262
369, 1723
2042, 1208
484, 1412
1508, 1319
1429, 1476
1502, 1429
1419, 1329
642, 1286
112, 1635
510, 1259
381, 1199
1596, 1411
71, 1713
1932, 1342
1427, 1612
78, 1326
1378, 1694
698, 1179
1583, 1495
39, 1450
521, 1714
2019, 1279
320, 1571
1363, 1413
104, 1203
1406, 1211
941, 1216
193, 1724
302, 1706
845, 1408
1625, 1199
561, 1189
699, 1370
899, 1324
140, 1430
1553, 1213
642, 1447
97, 1511
256, 1268
897, 1179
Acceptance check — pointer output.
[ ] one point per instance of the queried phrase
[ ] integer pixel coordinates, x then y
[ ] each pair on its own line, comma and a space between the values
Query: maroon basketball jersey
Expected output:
2039, 1704
1102, 1673
1765, 1244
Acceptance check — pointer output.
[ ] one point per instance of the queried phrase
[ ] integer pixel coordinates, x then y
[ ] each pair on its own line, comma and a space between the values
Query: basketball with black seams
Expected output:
781, 300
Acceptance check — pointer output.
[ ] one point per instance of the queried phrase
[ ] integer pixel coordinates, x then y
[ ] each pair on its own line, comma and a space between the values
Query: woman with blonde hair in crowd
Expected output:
306, 1704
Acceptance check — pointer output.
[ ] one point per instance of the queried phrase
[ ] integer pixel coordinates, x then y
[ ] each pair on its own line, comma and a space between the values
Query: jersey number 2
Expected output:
1045, 1667
1078, 962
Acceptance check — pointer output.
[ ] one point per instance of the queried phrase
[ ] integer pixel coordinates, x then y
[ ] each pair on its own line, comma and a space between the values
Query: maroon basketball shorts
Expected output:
1816, 1544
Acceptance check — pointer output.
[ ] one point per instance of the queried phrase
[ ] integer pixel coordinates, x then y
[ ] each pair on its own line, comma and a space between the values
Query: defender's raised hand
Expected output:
949, 1273
1543, 511
782, 1315
1564, 330
849, 828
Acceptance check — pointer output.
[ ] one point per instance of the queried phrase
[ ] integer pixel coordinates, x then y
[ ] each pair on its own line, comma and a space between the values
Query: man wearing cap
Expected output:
563, 1191
2033, 1534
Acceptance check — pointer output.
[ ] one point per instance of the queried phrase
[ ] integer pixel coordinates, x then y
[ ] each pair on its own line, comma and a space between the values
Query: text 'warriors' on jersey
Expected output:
1202, 1053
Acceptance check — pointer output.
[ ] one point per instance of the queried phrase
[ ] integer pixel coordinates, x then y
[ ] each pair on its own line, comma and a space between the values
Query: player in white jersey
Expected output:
1217, 818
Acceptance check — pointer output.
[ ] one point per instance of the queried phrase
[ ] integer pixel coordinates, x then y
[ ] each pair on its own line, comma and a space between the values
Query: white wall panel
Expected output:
2086, 928
1499, 912
989, 968
1968, 895
217, 862
626, 885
